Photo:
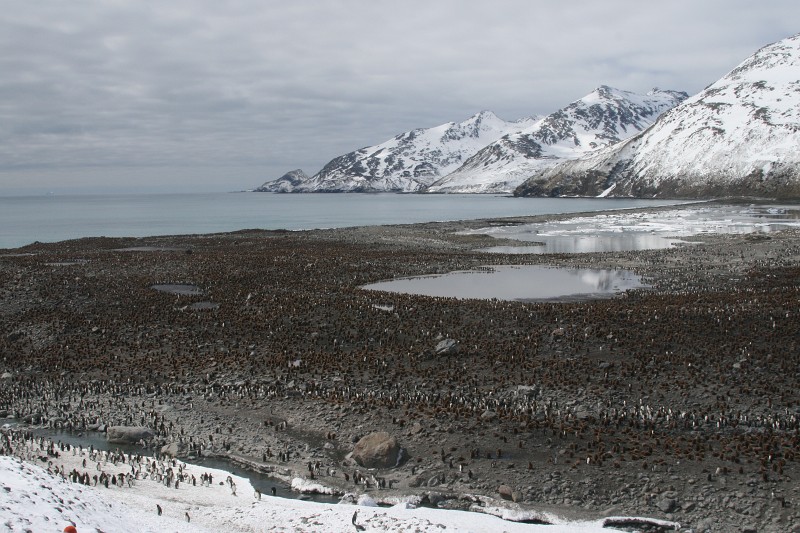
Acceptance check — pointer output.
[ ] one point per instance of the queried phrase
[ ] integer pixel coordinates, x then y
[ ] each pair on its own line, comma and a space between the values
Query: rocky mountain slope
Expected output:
603, 117
740, 136
405, 163
285, 183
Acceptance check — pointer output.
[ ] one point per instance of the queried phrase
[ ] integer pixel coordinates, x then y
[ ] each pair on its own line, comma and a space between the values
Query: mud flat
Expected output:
678, 402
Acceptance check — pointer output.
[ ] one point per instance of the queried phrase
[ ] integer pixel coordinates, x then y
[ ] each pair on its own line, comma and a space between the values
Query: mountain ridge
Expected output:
406, 162
603, 117
737, 137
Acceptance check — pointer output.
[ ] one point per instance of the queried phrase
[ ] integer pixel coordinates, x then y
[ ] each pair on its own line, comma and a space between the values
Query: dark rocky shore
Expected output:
679, 402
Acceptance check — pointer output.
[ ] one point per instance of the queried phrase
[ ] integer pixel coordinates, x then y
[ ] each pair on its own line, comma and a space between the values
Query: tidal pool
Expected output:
582, 244
517, 282
628, 231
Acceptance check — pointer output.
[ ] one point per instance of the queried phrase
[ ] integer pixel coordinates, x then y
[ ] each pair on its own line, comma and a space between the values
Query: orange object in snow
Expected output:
70, 529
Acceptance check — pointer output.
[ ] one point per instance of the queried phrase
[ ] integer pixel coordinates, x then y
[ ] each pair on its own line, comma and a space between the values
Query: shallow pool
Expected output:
629, 231
513, 282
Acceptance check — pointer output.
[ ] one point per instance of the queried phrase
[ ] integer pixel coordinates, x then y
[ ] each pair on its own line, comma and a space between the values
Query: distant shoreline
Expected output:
24, 220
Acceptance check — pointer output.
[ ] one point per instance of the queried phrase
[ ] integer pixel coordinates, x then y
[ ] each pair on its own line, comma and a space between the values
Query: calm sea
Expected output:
51, 218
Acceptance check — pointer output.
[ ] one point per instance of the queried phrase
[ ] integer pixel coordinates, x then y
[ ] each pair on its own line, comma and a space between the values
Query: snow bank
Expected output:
33, 499
305, 486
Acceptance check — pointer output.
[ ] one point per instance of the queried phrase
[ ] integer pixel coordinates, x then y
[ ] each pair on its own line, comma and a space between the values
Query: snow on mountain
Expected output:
407, 162
285, 183
603, 117
740, 136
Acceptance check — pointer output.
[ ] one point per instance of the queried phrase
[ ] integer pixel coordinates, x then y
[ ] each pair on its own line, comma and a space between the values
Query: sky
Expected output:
202, 96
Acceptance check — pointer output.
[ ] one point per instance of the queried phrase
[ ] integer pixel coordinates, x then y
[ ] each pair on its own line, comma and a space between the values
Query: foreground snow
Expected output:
32, 499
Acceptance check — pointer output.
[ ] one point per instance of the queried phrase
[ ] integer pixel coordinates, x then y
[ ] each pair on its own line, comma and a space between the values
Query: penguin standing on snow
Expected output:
358, 528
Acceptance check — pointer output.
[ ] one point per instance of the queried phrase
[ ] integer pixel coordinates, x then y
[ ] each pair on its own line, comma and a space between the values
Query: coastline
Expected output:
24, 220
648, 404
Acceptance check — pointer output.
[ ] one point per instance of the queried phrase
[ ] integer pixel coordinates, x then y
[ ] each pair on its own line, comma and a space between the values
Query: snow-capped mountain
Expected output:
603, 117
407, 162
740, 136
285, 183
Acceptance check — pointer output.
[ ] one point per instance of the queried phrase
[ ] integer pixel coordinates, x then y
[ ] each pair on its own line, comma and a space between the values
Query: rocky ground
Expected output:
679, 402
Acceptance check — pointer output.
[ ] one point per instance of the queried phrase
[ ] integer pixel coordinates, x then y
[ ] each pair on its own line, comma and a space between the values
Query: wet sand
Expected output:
678, 402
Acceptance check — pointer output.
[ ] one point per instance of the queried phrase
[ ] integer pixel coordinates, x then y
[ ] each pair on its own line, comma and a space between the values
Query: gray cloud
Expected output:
202, 95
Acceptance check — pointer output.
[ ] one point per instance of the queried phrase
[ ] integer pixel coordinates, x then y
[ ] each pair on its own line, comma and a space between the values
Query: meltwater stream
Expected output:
262, 482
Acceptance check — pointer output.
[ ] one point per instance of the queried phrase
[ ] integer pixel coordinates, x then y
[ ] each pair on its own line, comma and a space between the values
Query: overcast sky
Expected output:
204, 95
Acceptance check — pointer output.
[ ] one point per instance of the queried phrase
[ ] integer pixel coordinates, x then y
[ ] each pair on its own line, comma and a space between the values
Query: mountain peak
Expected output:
737, 137
603, 117
408, 161
485, 114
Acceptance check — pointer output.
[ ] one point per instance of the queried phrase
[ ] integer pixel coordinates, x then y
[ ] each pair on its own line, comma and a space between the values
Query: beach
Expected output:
678, 401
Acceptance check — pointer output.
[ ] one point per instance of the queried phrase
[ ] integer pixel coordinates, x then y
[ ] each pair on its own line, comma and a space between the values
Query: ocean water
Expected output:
52, 218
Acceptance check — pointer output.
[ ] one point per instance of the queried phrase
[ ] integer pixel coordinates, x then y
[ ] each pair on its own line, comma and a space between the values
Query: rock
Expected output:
446, 347
667, 505
488, 415
516, 496
128, 434
707, 524
415, 482
376, 450
435, 499
174, 449
614, 510
505, 492
529, 391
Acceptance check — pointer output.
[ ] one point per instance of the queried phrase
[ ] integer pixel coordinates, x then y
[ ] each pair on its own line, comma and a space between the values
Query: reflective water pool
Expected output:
628, 231
512, 282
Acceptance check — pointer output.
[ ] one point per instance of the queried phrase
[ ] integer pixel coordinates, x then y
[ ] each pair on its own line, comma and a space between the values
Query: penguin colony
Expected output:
698, 374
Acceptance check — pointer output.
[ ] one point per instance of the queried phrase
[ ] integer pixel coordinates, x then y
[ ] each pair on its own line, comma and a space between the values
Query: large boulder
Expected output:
377, 450
128, 434
175, 449
505, 492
